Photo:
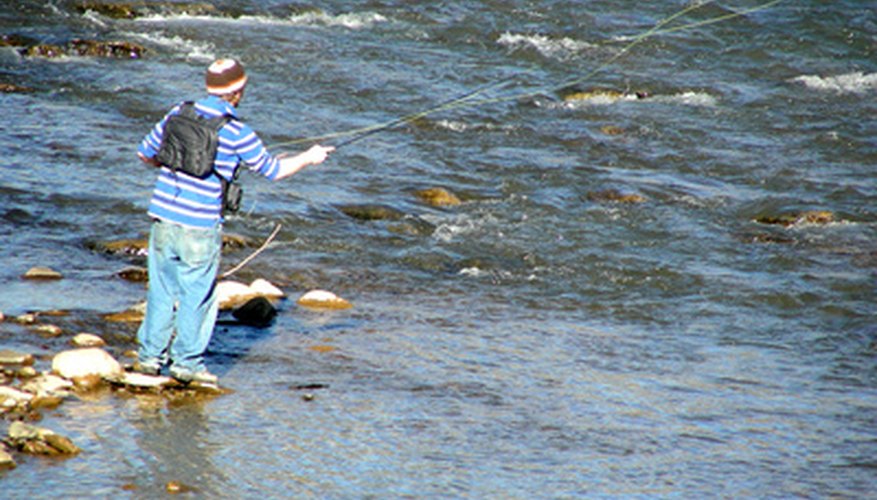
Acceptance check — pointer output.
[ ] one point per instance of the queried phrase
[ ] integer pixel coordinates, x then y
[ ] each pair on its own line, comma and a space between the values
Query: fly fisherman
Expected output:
186, 235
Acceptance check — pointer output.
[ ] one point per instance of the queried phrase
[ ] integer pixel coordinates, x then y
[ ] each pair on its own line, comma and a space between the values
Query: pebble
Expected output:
48, 330
6, 460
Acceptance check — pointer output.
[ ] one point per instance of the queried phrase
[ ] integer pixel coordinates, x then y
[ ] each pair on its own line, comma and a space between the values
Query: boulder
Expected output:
83, 362
816, 217
48, 385
257, 311
614, 196
37, 440
322, 299
42, 273
371, 212
234, 294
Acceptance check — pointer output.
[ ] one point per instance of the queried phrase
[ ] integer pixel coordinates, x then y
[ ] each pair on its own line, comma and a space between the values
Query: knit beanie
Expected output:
225, 76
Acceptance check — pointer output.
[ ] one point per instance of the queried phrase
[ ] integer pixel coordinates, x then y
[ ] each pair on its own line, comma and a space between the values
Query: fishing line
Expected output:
466, 100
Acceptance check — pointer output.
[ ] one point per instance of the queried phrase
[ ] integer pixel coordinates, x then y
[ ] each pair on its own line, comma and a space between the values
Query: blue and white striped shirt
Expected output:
193, 202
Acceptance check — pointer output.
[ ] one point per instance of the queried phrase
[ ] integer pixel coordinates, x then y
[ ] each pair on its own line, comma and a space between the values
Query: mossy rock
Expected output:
438, 197
614, 196
818, 217
371, 212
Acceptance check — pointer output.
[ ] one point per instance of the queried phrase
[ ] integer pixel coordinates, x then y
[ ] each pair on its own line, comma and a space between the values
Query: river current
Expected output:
545, 338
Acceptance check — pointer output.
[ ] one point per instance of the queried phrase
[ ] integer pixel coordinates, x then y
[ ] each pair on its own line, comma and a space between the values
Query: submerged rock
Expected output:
603, 95
257, 311
6, 459
11, 88
87, 340
818, 217
371, 212
615, 196
39, 441
136, 274
83, 362
134, 314
438, 197
131, 10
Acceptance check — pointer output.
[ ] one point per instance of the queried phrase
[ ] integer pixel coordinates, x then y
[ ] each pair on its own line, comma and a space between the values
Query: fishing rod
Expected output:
414, 116
465, 100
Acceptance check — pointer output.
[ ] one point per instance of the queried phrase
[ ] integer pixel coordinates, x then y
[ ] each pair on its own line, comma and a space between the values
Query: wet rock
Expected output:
47, 330
256, 312
371, 212
614, 196
438, 197
11, 397
130, 246
131, 10
322, 299
233, 294
96, 48
26, 319
26, 372
16, 40
139, 380
48, 385
133, 315
6, 459
82, 362
42, 273
603, 96
817, 217
136, 274
44, 50
87, 383
87, 340
612, 130
11, 88
10, 357
39, 441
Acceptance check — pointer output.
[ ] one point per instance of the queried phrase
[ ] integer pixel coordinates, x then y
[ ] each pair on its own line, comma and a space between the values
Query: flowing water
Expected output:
537, 340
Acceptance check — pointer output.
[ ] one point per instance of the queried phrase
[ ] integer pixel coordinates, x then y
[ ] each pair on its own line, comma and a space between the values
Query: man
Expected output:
185, 239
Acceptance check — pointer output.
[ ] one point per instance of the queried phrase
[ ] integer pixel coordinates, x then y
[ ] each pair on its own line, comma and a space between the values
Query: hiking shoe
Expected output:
146, 368
185, 376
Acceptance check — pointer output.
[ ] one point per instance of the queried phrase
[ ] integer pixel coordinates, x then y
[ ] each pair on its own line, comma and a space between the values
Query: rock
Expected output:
96, 48
6, 460
131, 10
43, 50
134, 273
47, 330
87, 383
322, 299
26, 319
15, 40
257, 311
612, 130
9, 396
87, 340
42, 273
26, 372
10, 357
603, 96
233, 294
61, 443
132, 246
21, 430
613, 195
139, 380
39, 441
371, 212
11, 88
133, 315
82, 362
438, 197
819, 217
265, 288
48, 385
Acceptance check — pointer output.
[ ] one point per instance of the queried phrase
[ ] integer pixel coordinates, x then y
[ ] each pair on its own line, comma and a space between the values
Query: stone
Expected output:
11, 396
26, 319
615, 196
10, 357
39, 441
233, 294
140, 380
82, 362
6, 459
265, 288
88, 382
603, 96
111, 49
438, 197
134, 314
11, 88
257, 311
817, 217
136, 274
322, 299
131, 10
42, 273
47, 330
48, 385
61, 443
371, 212
87, 340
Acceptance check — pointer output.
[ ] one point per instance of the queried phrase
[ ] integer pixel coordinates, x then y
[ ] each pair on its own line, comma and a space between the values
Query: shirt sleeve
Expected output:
251, 150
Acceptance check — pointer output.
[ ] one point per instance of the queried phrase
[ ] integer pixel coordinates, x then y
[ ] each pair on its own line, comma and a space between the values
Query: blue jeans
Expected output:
183, 263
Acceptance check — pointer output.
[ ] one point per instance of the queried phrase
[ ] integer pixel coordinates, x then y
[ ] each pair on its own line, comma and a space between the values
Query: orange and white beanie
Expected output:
225, 76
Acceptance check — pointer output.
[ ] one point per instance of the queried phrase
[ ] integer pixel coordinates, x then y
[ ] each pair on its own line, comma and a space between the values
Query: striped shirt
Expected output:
193, 202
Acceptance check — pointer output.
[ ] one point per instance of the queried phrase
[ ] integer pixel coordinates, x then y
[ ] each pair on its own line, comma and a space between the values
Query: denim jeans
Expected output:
183, 263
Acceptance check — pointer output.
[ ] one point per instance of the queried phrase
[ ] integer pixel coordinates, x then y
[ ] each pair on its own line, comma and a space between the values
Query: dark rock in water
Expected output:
134, 273
96, 48
139, 247
43, 50
438, 197
371, 212
615, 196
11, 88
131, 10
817, 217
256, 312
16, 40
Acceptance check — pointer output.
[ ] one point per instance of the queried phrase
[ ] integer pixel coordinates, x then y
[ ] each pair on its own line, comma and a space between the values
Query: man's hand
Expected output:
314, 156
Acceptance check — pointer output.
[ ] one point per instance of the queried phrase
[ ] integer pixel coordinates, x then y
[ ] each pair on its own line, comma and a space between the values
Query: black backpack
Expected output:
189, 145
